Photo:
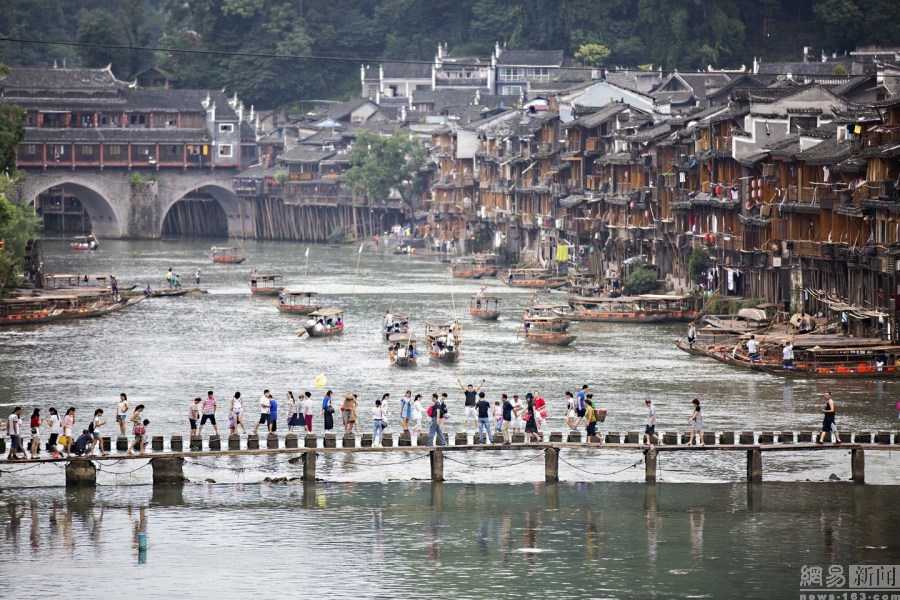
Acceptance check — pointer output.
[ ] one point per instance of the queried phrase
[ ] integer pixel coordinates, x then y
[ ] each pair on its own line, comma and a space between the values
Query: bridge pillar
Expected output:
437, 465
754, 465
858, 465
650, 465
167, 470
309, 466
551, 465
81, 473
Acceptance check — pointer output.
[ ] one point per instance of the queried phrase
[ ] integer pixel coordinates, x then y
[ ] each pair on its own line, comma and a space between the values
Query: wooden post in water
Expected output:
309, 466
754, 465
551, 465
167, 470
858, 465
650, 465
437, 465
81, 473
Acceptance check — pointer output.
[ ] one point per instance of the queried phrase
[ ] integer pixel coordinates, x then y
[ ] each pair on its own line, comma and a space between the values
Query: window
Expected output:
226, 127
539, 74
511, 74
137, 119
114, 150
225, 150
510, 90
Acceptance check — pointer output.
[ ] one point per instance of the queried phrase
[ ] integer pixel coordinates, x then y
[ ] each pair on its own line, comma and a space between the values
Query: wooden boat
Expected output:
646, 308
28, 310
325, 322
550, 331
485, 308
746, 320
487, 264
547, 316
227, 256
532, 278
85, 242
264, 285
297, 302
402, 351
392, 323
465, 267
171, 293
444, 341
85, 309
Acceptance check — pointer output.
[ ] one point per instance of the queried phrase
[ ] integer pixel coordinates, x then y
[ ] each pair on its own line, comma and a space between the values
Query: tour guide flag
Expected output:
306, 254
360, 248
320, 380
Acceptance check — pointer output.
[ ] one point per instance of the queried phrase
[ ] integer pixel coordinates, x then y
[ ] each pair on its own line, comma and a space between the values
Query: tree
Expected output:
840, 21
99, 27
381, 164
593, 55
640, 281
698, 265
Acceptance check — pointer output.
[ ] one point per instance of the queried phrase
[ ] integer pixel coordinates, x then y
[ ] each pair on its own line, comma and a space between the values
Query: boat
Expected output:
86, 308
746, 320
166, 293
466, 267
444, 341
297, 302
402, 351
264, 285
227, 256
647, 308
392, 323
487, 264
28, 310
325, 322
547, 315
532, 278
547, 330
485, 308
85, 242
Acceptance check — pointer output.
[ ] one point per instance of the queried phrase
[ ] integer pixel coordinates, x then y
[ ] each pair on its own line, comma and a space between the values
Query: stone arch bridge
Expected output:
121, 209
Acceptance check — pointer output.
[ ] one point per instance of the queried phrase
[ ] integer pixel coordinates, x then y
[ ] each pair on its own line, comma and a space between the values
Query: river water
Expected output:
495, 530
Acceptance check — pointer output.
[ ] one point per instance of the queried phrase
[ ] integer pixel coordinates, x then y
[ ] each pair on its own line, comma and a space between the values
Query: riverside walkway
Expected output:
167, 459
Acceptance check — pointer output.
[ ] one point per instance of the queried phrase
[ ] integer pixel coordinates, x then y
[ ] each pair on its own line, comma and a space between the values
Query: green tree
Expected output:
640, 281
380, 164
99, 27
593, 55
840, 22
698, 265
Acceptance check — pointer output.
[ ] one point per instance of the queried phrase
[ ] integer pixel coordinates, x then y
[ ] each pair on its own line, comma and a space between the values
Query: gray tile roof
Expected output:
532, 58
827, 152
304, 154
67, 79
601, 115
118, 136
401, 70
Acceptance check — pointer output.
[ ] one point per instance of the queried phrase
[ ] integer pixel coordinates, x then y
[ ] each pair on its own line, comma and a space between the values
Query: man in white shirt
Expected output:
306, 407
753, 348
13, 429
650, 435
264, 404
787, 355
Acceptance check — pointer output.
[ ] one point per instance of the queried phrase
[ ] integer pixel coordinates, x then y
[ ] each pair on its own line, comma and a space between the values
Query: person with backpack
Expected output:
437, 411
140, 435
80, 447
94, 430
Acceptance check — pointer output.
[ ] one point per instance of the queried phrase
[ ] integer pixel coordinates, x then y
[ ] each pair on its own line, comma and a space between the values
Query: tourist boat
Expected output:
444, 341
532, 278
297, 302
28, 310
466, 267
264, 285
817, 356
227, 256
164, 293
392, 323
85, 242
647, 308
547, 315
487, 264
547, 330
87, 307
402, 351
325, 322
485, 308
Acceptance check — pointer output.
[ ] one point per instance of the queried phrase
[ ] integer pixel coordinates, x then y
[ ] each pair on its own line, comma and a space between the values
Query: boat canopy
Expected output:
327, 312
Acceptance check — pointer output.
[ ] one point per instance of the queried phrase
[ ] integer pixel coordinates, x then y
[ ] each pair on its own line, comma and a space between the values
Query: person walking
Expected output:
138, 429
265, 407
650, 427
417, 411
306, 407
35, 427
293, 411
377, 424
209, 413
540, 408
590, 418
354, 418
194, 415
530, 417
696, 423
197, 276
328, 411
829, 425
236, 410
471, 394
436, 412
14, 431
55, 425
122, 413
345, 412
68, 429
570, 410
94, 429
580, 405
483, 408
385, 400
507, 419
518, 413
273, 414
406, 410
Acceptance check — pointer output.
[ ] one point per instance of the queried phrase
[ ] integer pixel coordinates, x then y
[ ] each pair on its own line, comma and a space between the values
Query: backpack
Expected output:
91, 427
430, 411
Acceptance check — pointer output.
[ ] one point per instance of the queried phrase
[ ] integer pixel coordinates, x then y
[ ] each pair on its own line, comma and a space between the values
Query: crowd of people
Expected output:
505, 417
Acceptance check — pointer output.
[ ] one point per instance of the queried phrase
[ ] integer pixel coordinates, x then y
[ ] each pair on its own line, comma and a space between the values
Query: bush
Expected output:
137, 179
337, 236
641, 281
698, 265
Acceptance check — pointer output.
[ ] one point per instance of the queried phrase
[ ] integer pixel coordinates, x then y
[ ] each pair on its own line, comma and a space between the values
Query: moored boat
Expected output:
226, 256
547, 316
532, 278
402, 351
647, 308
297, 302
547, 330
85, 242
325, 322
466, 267
485, 308
444, 341
28, 310
264, 284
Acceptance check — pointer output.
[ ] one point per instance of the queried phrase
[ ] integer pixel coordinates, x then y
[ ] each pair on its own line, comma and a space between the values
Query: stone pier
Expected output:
168, 469
81, 473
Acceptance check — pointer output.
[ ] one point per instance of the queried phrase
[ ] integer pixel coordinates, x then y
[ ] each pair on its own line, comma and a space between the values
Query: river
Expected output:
495, 530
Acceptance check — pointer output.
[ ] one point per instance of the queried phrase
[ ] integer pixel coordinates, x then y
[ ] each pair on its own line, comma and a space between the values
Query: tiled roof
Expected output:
534, 58
303, 154
258, 172
344, 109
248, 133
604, 113
827, 152
60, 79
801, 68
400, 70
652, 133
787, 148
118, 135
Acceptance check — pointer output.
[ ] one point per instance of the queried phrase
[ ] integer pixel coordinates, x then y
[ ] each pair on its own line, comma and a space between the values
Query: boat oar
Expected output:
302, 333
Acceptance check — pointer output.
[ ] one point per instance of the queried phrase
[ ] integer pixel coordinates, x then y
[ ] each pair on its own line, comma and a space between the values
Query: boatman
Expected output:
787, 355
471, 394
753, 348
692, 335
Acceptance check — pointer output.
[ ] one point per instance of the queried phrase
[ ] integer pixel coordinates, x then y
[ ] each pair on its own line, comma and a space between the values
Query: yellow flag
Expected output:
320, 381
562, 253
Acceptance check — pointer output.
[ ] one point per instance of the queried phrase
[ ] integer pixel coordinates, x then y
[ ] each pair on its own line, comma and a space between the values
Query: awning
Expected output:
571, 201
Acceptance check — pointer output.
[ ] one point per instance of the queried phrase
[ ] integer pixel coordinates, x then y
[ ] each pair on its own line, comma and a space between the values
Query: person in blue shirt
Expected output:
273, 414
438, 411
406, 410
507, 419
328, 411
580, 405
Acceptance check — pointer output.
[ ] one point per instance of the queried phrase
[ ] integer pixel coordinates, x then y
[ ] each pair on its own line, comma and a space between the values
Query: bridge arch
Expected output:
98, 196
229, 211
